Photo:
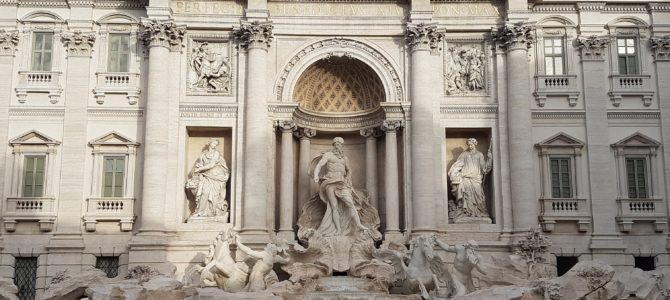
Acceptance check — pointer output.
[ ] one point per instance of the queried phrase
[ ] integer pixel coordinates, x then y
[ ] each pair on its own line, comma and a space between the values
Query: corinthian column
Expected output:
9, 40
304, 134
661, 47
286, 181
371, 181
160, 37
423, 39
392, 207
515, 40
256, 38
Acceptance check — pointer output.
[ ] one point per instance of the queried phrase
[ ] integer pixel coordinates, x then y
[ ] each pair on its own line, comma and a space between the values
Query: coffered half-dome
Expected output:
339, 85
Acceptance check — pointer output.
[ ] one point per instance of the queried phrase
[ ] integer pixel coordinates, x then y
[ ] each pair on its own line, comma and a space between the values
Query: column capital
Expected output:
424, 36
593, 47
514, 36
78, 43
661, 47
8, 42
163, 33
304, 133
391, 125
255, 34
372, 133
285, 126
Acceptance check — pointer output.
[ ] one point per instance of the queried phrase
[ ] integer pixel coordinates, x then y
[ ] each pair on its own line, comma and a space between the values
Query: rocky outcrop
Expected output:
73, 286
7, 289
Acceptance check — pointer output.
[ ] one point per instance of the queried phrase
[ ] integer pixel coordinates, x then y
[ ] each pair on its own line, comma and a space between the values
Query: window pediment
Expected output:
33, 137
637, 140
113, 139
561, 140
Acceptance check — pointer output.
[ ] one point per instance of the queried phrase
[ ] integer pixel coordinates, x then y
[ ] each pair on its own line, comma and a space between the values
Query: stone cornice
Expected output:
255, 35
593, 47
163, 33
8, 42
78, 43
661, 47
126, 4
514, 36
424, 37
590, 6
659, 7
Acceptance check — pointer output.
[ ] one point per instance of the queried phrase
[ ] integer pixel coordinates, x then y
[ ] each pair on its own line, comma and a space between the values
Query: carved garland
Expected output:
343, 43
8, 42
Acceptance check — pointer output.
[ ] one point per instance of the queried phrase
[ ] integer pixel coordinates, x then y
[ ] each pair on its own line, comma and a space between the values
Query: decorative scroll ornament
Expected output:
255, 35
593, 47
512, 36
285, 126
424, 37
8, 42
661, 47
388, 125
303, 132
78, 43
163, 33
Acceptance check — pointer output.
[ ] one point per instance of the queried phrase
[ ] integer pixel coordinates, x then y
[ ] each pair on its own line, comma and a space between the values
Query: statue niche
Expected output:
206, 185
467, 177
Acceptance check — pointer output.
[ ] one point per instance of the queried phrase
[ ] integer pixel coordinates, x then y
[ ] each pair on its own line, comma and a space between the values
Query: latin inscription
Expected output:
336, 9
466, 10
207, 7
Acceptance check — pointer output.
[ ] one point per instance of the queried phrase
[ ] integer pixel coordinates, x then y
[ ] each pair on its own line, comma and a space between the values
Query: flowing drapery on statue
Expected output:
207, 182
467, 179
337, 209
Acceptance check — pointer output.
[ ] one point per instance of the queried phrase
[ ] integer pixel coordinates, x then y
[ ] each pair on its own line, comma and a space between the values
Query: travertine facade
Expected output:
108, 108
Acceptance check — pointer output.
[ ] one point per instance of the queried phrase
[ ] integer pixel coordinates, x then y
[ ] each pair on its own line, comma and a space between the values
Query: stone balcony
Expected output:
556, 85
109, 209
39, 82
40, 209
564, 209
641, 210
117, 83
631, 85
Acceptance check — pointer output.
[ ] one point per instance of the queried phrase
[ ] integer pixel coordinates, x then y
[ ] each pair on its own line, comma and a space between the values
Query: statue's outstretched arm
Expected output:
248, 251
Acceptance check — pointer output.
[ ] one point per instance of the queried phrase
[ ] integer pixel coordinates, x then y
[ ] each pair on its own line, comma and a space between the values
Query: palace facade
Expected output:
108, 110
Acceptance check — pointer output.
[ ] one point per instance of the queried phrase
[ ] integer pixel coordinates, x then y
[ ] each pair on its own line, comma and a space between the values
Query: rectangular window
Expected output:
25, 277
42, 51
108, 264
560, 177
636, 174
553, 56
627, 56
33, 176
114, 167
119, 53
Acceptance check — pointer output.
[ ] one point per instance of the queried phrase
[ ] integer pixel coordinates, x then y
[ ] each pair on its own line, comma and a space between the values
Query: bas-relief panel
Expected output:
209, 65
466, 67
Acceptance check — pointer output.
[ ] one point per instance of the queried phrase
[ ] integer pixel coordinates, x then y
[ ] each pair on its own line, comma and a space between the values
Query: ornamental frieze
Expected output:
514, 36
78, 43
163, 33
255, 35
8, 42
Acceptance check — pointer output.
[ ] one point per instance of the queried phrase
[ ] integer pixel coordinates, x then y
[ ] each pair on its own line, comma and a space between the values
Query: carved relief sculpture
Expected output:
8, 42
209, 68
207, 183
78, 43
467, 178
465, 69
466, 260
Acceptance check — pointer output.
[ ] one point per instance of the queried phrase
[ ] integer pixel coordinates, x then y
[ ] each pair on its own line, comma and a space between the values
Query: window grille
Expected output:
108, 264
25, 277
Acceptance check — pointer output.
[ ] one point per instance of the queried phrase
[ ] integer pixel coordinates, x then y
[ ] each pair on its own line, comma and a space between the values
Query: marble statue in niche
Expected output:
207, 183
465, 70
467, 176
209, 68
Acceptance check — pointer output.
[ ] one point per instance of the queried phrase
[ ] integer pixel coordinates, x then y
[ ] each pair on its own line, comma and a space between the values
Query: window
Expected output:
119, 53
565, 263
560, 177
636, 176
42, 51
25, 277
33, 176
108, 264
553, 56
627, 56
645, 263
113, 176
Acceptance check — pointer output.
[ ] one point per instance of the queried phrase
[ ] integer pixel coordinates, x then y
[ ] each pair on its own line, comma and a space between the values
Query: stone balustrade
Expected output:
38, 82
631, 85
641, 210
40, 209
109, 209
562, 209
117, 83
556, 85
